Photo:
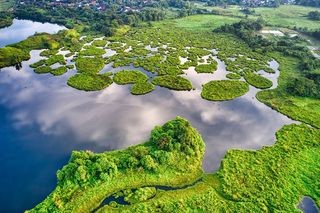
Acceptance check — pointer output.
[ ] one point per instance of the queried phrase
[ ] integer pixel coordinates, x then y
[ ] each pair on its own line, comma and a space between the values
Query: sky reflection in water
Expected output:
44, 120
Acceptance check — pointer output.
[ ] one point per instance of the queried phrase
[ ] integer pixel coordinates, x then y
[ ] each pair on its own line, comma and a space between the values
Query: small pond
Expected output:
307, 205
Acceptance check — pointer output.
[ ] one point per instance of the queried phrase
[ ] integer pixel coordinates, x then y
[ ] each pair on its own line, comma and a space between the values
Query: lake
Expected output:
22, 29
43, 120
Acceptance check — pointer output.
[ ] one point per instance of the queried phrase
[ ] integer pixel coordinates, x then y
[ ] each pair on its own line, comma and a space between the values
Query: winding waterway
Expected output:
43, 120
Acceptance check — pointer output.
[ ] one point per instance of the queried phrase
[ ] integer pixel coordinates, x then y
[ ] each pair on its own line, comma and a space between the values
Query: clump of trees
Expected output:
314, 15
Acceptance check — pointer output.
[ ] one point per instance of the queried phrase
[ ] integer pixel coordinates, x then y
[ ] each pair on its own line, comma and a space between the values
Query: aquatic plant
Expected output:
142, 88
257, 80
172, 82
206, 68
224, 90
129, 77
89, 81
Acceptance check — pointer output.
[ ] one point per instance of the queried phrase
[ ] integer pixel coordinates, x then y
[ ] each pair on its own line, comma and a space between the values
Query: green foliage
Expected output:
10, 56
142, 88
89, 65
140, 195
90, 82
206, 68
233, 76
284, 98
55, 59
257, 80
129, 77
99, 43
43, 70
59, 71
247, 181
224, 90
89, 178
172, 82
92, 51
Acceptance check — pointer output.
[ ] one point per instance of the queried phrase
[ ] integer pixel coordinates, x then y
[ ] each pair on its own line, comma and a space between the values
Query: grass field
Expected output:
6, 4
283, 16
204, 22
289, 16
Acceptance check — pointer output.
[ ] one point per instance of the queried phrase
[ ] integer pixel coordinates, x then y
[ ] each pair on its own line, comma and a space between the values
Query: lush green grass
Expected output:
90, 82
172, 156
224, 90
270, 179
142, 88
129, 77
283, 16
257, 80
299, 108
206, 68
172, 82
289, 16
43, 70
204, 22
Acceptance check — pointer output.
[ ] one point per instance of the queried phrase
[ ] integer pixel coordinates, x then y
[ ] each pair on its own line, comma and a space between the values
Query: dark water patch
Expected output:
307, 205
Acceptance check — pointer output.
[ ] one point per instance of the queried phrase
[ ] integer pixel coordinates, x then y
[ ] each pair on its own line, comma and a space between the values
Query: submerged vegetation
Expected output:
224, 90
246, 181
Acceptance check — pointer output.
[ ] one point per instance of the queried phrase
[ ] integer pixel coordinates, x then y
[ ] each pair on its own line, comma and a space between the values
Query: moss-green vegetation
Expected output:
89, 81
10, 56
142, 88
257, 80
92, 51
59, 71
172, 82
233, 76
43, 70
270, 179
224, 90
89, 65
99, 43
55, 59
129, 77
206, 68
172, 156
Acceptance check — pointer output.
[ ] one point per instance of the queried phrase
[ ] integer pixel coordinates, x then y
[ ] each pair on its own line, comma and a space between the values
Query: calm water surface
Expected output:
22, 29
43, 120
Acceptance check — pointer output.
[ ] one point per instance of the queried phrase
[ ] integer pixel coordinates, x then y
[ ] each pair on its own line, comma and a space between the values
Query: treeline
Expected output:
101, 22
305, 85
312, 3
5, 19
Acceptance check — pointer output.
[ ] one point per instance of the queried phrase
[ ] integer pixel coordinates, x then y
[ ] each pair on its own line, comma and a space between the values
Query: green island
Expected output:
246, 181
224, 90
90, 82
257, 80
